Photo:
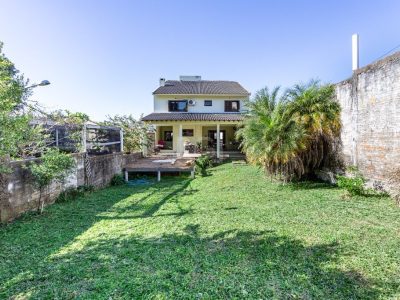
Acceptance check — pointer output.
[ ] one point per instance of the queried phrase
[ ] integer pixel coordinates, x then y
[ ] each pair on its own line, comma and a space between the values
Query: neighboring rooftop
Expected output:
193, 117
194, 85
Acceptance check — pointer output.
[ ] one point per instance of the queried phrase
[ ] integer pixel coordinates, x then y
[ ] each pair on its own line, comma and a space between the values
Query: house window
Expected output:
166, 144
180, 105
168, 136
232, 106
187, 132
207, 102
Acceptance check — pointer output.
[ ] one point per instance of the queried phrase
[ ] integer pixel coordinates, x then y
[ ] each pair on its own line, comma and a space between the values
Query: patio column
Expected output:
218, 142
180, 140
158, 135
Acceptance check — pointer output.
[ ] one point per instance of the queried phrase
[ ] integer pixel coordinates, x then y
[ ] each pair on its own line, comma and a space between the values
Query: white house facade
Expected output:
195, 115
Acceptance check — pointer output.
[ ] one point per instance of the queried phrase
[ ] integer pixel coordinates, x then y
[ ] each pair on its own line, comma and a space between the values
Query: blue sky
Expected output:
105, 57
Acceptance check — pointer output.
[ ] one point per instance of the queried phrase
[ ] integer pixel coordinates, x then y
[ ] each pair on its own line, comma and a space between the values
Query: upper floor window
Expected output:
207, 102
232, 106
178, 105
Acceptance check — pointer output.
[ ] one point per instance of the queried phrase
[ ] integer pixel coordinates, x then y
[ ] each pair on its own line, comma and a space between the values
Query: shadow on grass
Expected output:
153, 209
27, 243
140, 209
229, 264
309, 185
189, 264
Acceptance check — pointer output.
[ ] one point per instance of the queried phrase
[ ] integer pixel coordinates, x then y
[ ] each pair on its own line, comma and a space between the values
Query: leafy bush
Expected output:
117, 179
18, 139
354, 183
54, 166
202, 164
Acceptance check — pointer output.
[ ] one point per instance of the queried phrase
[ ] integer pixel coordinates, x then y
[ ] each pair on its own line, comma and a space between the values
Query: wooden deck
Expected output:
160, 165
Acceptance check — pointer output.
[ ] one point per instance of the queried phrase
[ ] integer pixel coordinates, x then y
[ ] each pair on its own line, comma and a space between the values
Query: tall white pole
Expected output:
354, 48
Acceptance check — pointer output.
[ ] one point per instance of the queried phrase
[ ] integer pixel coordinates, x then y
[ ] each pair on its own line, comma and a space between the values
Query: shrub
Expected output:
202, 164
54, 166
354, 183
117, 179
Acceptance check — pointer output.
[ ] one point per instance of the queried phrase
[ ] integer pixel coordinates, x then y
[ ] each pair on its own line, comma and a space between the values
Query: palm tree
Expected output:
294, 134
312, 106
269, 137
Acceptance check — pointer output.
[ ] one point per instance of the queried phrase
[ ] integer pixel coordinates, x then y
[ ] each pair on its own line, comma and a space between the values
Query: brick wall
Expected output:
18, 195
370, 102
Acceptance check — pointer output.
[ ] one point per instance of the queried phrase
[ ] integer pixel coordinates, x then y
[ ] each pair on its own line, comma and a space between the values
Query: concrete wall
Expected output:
218, 103
18, 195
370, 102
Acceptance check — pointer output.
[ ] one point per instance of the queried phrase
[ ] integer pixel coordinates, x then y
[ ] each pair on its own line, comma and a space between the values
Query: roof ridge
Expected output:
217, 80
202, 87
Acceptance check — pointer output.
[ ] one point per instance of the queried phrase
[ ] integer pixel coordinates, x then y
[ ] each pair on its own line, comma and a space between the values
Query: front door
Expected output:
168, 139
212, 139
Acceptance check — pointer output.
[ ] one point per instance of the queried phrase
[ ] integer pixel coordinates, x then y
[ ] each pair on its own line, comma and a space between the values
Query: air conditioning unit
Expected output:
192, 102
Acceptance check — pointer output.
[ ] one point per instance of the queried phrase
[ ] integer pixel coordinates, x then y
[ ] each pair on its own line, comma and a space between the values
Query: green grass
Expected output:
233, 234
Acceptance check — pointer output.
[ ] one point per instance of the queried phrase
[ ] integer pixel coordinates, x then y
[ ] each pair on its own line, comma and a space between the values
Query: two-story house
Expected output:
200, 113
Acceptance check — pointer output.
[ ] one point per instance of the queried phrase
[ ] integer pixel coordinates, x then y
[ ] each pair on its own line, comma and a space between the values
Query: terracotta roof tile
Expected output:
201, 87
193, 117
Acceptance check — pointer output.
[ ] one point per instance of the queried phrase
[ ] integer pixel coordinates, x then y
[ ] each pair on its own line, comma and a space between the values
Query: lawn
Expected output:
233, 234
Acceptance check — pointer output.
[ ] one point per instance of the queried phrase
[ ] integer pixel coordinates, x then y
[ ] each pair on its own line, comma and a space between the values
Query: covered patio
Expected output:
195, 133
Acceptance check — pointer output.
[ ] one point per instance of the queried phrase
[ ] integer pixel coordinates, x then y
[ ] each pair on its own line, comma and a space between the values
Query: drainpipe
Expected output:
180, 140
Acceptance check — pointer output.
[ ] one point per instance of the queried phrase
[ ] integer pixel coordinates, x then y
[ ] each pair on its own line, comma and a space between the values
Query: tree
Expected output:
270, 138
17, 137
54, 166
135, 131
313, 107
293, 134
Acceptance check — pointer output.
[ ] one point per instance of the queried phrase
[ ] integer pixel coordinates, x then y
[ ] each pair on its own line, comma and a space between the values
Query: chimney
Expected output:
162, 81
354, 48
